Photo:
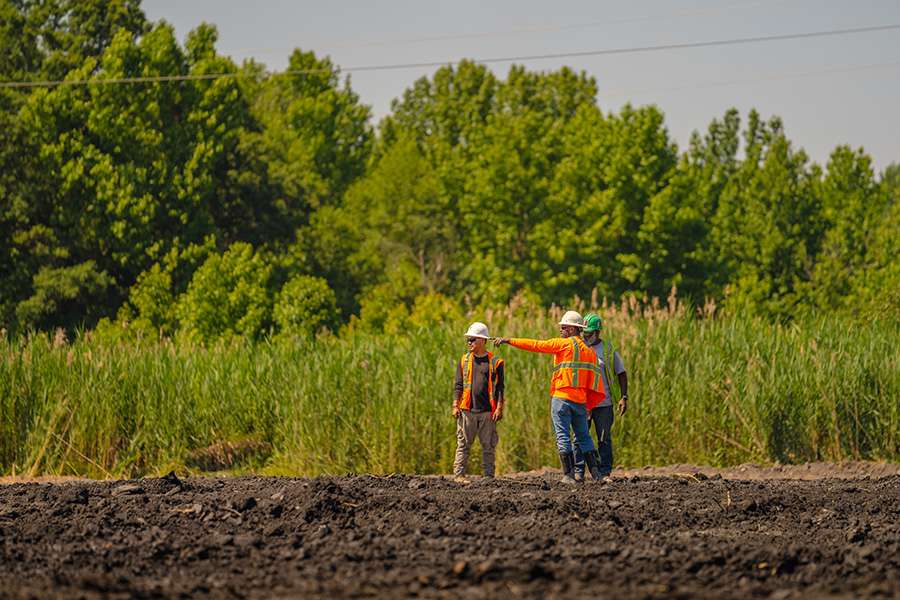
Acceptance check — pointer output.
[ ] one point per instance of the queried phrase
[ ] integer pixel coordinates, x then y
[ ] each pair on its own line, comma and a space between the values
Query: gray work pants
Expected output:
470, 425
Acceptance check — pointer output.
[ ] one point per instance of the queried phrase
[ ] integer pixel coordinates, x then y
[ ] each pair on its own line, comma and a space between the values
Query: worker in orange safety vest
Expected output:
575, 370
478, 401
600, 405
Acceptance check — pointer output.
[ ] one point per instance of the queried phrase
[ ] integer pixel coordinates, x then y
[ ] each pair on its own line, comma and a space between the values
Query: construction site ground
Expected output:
806, 531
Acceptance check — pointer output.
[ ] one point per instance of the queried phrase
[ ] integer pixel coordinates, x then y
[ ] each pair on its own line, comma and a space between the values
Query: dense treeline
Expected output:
268, 203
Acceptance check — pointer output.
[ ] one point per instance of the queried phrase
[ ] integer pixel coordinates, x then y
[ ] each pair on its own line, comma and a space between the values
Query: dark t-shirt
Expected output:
481, 401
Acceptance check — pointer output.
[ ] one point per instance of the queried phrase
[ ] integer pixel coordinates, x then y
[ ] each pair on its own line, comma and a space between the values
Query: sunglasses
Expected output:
471, 340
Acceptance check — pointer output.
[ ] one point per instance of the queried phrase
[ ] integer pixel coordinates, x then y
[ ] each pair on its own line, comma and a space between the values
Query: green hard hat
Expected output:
592, 322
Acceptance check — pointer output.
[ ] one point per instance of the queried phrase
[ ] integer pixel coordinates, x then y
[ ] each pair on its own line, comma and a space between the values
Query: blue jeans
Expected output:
602, 417
566, 414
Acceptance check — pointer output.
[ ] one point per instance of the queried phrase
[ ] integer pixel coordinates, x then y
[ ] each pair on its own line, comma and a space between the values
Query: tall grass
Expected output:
713, 390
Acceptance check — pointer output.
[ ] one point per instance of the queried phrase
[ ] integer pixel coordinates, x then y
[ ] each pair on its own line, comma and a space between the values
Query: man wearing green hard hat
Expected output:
602, 415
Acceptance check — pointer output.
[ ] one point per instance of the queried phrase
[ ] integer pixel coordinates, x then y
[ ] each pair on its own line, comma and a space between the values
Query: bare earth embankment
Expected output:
682, 531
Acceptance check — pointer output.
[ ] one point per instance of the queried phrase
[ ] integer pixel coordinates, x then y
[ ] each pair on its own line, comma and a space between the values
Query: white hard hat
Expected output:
572, 318
478, 330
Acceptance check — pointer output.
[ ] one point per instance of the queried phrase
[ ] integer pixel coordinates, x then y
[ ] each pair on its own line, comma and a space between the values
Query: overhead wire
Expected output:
493, 60
724, 83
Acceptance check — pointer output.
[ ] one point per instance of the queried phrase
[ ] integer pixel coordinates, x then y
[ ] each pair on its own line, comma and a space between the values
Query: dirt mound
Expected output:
697, 536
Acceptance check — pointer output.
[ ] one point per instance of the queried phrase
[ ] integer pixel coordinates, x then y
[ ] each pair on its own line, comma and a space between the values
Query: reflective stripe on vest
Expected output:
591, 379
467, 365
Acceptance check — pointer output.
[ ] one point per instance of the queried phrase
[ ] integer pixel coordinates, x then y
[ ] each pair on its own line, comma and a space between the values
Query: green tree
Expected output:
304, 305
673, 245
446, 115
402, 215
313, 142
45, 39
890, 182
876, 287
314, 138
228, 296
134, 170
544, 192
385, 305
24, 242
548, 107
616, 167
41, 40
768, 226
68, 297
152, 300
512, 221
852, 204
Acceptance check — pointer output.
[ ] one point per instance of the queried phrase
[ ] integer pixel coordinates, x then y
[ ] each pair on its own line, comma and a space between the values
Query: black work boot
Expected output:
567, 460
592, 460
578, 469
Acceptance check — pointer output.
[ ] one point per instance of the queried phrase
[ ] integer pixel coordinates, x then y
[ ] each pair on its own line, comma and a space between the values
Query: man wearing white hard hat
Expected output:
600, 406
478, 401
575, 370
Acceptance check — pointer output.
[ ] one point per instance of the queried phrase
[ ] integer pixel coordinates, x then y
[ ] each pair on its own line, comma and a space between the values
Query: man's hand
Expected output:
497, 414
455, 411
499, 341
623, 405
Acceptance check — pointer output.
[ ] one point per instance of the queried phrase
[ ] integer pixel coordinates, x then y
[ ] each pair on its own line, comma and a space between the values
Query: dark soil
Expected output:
684, 536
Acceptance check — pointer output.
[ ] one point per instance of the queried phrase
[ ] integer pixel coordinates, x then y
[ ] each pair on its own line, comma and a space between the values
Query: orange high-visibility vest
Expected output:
575, 371
582, 370
465, 401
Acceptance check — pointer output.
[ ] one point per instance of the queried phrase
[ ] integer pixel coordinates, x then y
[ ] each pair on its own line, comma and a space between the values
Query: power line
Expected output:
639, 49
776, 77
399, 66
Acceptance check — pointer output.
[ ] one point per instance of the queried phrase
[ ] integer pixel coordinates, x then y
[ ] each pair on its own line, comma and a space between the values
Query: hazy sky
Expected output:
855, 102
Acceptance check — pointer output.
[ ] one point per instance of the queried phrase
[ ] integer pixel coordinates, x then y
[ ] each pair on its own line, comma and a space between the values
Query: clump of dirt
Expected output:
691, 536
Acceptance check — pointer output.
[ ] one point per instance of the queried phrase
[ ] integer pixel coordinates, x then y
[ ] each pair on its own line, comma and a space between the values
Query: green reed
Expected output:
714, 390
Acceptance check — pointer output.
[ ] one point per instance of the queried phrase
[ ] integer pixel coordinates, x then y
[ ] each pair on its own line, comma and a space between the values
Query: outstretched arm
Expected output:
551, 346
